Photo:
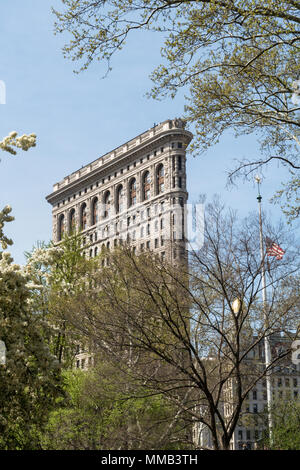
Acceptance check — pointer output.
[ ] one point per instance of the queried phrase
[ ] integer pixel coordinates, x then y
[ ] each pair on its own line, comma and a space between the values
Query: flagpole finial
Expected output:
258, 181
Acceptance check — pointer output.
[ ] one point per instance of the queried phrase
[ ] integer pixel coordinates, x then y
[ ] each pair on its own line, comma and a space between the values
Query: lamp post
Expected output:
266, 322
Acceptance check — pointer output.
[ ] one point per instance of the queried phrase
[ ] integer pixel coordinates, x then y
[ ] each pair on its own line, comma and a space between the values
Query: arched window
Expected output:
72, 221
132, 192
146, 186
95, 211
160, 179
106, 201
83, 217
119, 199
61, 227
96, 251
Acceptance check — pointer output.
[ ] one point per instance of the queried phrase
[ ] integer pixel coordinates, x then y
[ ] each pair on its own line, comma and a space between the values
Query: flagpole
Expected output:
266, 322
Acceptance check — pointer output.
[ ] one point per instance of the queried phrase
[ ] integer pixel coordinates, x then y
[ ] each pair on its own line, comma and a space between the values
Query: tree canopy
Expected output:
239, 59
30, 378
174, 330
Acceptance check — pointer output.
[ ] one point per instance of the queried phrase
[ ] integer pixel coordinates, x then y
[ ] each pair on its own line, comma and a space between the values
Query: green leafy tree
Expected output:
63, 271
286, 426
175, 331
102, 412
239, 59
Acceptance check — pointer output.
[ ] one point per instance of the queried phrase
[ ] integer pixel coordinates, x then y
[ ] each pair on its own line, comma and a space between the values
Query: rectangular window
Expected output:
179, 162
180, 145
156, 243
295, 382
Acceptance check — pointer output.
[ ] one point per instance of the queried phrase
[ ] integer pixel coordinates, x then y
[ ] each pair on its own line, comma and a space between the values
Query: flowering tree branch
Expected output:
23, 142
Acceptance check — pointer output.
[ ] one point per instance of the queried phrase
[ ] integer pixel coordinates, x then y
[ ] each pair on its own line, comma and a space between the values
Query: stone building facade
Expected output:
135, 193
285, 386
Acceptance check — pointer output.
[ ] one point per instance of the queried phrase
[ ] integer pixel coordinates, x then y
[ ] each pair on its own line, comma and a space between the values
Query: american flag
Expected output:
273, 249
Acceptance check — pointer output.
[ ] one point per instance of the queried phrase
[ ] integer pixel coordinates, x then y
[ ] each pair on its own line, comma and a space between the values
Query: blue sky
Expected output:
77, 118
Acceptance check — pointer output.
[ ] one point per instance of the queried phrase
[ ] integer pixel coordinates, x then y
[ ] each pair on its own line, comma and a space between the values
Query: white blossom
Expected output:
23, 142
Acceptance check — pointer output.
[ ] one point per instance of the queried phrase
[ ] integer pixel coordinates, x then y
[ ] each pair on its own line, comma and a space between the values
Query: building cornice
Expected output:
106, 164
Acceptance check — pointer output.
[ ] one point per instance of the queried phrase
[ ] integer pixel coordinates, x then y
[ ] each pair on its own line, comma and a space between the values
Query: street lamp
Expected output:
236, 305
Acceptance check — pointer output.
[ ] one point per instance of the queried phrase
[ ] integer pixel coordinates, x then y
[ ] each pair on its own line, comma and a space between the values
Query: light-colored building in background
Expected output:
285, 381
